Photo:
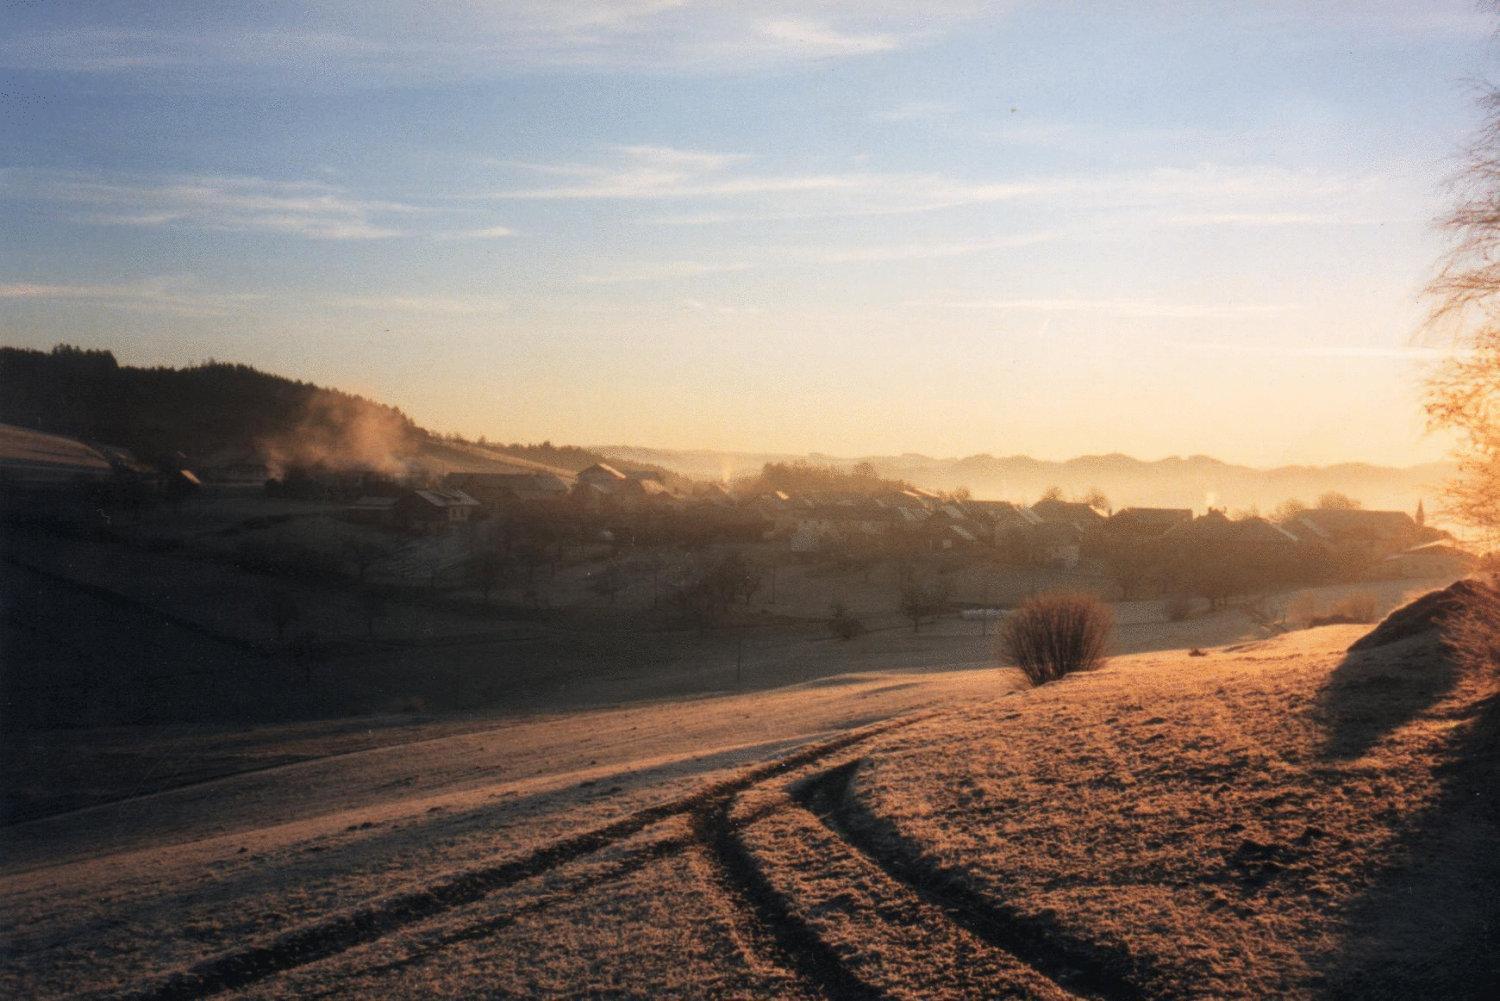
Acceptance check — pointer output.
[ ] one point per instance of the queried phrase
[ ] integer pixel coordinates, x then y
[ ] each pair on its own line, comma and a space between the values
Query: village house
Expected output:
816, 526
601, 475
497, 490
1147, 522
433, 510
1065, 524
1373, 535
1083, 518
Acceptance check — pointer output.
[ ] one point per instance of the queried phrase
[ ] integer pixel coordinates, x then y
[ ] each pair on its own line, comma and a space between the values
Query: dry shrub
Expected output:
1473, 632
1303, 609
1056, 634
1359, 607
1308, 611
843, 624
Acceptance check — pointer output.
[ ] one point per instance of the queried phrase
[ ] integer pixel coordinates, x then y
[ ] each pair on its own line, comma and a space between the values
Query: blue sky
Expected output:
850, 227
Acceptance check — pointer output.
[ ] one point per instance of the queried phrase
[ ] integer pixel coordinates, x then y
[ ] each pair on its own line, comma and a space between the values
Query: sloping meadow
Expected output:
1281, 819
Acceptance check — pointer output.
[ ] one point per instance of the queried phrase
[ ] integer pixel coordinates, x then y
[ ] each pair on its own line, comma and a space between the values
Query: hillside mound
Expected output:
1423, 615
1285, 821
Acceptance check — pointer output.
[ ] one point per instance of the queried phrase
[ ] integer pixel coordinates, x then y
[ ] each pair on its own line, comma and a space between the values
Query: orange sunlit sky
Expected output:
855, 228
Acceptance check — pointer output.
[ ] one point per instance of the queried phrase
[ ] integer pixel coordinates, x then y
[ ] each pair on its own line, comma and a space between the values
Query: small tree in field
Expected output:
1056, 634
843, 624
923, 600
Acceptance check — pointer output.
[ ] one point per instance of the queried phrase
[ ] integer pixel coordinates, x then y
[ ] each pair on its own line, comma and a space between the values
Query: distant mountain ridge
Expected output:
1198, 481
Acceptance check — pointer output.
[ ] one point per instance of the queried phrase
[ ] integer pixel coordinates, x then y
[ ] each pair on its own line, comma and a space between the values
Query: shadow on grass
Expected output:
1375, 692
1429, 927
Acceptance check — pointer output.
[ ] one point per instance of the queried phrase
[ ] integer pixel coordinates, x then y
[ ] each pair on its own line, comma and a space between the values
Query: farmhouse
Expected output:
1075, 514
434, 510
603, 475
1147, 522
500, 489
1374, 534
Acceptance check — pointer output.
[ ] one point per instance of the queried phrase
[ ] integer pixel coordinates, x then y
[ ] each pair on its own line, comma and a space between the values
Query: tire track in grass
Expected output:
774, 929
342, 932
1077, 965
420, 953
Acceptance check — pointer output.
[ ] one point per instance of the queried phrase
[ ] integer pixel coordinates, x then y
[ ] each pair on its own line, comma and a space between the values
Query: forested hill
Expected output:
203, 411
225, 413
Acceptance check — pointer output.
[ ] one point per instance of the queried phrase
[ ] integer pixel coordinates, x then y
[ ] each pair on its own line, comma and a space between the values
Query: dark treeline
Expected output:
803, 478
200, 410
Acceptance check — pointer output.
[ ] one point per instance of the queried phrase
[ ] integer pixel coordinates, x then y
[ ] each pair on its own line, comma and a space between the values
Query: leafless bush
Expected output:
1361, 607
843, 624
1303, 609
1056, 634
1309, 611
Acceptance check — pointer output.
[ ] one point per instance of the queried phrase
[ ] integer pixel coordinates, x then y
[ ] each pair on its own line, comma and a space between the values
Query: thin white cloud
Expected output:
309, 209
157, 295
814, 38
483, 233
184, 297
465, 305
351, 42
1352, 351
667, 157
1207, 194
1132, 308
917, 111
663, 271
930, 251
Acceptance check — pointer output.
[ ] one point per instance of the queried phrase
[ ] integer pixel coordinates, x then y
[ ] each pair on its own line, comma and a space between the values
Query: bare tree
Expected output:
1094, 498
1287, 510
1463, 395
922, 600
1335, 501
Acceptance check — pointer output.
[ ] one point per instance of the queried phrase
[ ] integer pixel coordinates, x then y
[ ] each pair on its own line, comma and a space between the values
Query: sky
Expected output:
856, 228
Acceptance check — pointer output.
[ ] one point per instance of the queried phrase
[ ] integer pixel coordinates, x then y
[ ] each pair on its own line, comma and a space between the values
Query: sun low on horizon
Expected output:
850, 228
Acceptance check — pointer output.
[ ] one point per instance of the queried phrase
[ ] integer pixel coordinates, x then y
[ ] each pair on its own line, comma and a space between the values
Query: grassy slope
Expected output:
1238, 825
1270, 820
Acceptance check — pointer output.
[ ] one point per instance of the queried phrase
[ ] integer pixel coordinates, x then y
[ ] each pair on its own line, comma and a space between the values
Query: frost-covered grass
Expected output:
1272, 819
1260, 822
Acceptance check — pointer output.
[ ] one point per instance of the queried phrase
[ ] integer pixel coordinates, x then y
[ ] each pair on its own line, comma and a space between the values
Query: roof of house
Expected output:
602, 469
375, 503
1149, 519
1003, 513
1335, 523
27, 454
652, 488
1075, 513
444, 498
1260, 530
847, 512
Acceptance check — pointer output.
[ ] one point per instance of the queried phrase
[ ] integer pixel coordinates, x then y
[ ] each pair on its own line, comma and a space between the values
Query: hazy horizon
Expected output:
944, 229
